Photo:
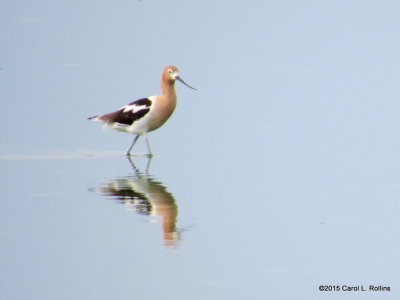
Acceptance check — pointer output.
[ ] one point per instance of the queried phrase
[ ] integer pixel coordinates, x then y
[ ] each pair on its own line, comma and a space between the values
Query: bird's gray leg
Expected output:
137, 171
148, 147
148, 164
128, 153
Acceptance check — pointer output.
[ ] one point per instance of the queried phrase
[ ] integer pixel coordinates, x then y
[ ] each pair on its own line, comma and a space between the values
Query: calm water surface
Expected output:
106, 226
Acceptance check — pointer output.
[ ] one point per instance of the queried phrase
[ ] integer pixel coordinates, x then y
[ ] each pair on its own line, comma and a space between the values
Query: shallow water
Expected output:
279, 175
109, 227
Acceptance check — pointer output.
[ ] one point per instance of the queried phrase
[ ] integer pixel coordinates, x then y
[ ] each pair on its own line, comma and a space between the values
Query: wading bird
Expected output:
147, 114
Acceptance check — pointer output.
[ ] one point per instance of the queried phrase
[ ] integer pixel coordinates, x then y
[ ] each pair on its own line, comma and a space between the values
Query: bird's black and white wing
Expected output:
128, 114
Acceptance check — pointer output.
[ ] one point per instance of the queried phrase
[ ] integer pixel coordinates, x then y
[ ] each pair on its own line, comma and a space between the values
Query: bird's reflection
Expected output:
143, 194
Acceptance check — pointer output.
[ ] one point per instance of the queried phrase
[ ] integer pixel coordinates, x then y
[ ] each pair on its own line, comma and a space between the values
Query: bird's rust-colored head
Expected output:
171, 74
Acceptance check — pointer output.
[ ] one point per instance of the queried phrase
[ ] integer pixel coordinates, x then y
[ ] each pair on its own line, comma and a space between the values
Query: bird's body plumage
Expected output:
147, 114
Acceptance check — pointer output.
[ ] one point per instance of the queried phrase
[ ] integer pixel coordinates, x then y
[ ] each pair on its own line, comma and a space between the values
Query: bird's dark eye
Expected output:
170, 71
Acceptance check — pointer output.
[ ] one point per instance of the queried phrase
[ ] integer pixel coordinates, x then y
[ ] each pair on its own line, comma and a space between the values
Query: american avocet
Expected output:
147, 114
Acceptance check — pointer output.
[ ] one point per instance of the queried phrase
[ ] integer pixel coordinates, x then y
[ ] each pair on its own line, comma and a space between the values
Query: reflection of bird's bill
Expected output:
181, 80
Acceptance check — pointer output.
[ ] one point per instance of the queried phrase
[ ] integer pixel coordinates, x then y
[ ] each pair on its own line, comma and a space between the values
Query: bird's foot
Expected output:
149, 155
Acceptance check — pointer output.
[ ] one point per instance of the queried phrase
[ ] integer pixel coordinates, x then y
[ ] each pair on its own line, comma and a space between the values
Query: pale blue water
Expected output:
280, 174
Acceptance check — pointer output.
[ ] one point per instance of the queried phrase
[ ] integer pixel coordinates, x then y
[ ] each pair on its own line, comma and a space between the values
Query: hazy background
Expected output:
284, 165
